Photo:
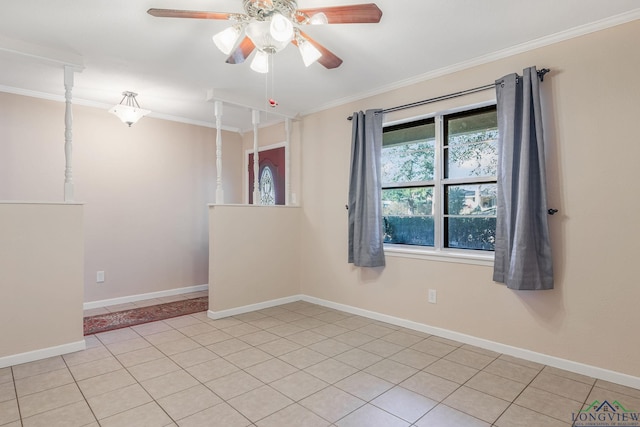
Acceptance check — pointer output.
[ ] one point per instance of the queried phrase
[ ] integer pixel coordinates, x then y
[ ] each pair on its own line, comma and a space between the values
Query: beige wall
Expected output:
591, 106
146, 189
254, 252
40, 277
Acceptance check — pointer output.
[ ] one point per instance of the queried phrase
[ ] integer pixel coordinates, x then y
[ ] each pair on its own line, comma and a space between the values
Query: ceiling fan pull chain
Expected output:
272, 99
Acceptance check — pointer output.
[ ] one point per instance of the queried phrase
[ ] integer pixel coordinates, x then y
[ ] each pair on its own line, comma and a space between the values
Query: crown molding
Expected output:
100, 105
574, 32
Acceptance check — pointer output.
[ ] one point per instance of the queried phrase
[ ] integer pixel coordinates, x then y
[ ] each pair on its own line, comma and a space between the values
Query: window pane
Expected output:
267, 187
407, 215
475, 199
407, 201
408, 230
408, 154
466, 222
472, 145
471, 233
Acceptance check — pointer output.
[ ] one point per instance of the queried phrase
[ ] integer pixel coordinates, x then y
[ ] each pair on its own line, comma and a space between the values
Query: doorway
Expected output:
271, 176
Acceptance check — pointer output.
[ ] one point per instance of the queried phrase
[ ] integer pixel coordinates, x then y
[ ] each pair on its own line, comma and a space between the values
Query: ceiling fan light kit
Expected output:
260, 34
318, 19
260, 63
281, 29
308, 52
226, 39
270, 25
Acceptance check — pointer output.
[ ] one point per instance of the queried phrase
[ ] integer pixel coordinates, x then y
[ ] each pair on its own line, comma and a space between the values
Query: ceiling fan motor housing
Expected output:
264, 9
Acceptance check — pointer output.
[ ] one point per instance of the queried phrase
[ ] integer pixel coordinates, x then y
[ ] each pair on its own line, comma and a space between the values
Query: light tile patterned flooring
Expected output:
299, 365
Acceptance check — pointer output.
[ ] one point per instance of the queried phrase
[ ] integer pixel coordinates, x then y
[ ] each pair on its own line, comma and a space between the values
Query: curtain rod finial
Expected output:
542, 72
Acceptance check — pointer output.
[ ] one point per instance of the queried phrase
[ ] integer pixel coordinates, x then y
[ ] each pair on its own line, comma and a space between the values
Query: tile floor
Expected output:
298, 365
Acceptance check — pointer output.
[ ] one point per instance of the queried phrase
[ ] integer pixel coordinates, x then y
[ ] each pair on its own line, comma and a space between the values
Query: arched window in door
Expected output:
274, 160
267, 187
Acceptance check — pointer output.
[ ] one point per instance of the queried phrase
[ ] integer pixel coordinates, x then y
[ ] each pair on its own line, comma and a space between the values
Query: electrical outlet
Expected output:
433, 297
100, 277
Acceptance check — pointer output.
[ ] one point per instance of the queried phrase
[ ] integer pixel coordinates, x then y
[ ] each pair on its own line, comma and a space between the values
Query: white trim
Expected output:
460, 257
441, 113
36, 202
142, 297
178, 119
213, 205
556, 362
485, 59
103, 106
545, 359
248, 151
40, 53
253, 307
43, 353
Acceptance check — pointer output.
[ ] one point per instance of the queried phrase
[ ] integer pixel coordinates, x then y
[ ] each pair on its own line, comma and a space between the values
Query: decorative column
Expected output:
287, 162
255, 116
219, 188
68, 144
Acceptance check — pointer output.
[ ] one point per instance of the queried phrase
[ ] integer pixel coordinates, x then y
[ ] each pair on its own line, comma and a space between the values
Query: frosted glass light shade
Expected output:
319, 19
309, 52
226, 39
128, 114
260, 34
281, 28
260, 63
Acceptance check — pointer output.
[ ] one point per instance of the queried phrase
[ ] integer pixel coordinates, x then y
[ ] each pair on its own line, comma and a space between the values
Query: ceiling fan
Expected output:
270, 25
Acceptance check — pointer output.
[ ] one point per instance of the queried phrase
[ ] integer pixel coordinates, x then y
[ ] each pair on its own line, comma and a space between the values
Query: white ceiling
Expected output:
172, 63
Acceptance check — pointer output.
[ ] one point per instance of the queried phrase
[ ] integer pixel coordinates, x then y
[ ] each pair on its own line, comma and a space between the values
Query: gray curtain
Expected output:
522, 249
365, 191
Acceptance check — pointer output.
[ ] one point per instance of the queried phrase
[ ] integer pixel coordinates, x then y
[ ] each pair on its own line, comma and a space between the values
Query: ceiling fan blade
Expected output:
242, 52
367, 13
173, 13
328, 59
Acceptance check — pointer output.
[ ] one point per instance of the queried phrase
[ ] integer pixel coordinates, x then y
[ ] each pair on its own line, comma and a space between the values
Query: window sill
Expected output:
449, 255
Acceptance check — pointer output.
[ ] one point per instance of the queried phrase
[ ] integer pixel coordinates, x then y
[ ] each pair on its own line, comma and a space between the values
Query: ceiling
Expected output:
174, 66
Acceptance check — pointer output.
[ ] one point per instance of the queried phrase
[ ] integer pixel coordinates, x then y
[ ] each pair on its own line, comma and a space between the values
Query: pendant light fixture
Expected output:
129, 110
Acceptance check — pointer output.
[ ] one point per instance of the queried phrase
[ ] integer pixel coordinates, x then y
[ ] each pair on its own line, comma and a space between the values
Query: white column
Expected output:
287, 162
255, 116
219, 188
68, 144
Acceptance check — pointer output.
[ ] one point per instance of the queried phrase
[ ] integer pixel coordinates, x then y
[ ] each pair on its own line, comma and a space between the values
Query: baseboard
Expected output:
43, 353
545, 359
252, 307
142, 297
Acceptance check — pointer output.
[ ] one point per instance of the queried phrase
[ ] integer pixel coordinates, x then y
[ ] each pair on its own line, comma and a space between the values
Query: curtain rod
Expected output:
541, 74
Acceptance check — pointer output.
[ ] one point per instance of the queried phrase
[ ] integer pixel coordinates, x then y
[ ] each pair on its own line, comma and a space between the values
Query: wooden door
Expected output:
271, 176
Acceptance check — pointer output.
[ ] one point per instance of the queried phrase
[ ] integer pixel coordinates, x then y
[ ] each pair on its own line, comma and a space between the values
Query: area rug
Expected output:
137, 316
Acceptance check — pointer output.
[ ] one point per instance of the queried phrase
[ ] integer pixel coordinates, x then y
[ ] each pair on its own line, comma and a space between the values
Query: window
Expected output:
267, 187
439, 181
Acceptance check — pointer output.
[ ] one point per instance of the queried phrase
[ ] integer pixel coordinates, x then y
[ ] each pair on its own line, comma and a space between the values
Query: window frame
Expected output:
439, 252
